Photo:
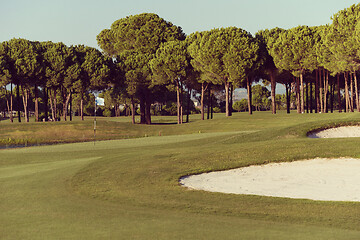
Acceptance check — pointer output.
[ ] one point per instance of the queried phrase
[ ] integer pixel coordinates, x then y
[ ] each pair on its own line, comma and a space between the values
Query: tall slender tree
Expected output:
5, 76
23, 68
57, 57
224, 56
293, 52
72, 74
172, 65
267, 39
200, 79
344, 44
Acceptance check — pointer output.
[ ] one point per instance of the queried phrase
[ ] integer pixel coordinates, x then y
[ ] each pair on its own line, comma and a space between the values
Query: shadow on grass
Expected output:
3, 119
164, 123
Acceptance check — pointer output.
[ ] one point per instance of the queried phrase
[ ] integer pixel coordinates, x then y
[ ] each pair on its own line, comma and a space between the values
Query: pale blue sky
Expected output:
79, 21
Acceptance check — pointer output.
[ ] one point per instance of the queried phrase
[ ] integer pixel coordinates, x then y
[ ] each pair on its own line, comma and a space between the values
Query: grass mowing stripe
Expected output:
27, 169
116, 144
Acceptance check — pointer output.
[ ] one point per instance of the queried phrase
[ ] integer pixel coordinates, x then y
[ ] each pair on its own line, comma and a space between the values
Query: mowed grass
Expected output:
39, 133
128, 188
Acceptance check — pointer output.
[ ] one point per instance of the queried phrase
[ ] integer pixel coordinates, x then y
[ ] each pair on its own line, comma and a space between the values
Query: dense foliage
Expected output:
146, 60
52, 71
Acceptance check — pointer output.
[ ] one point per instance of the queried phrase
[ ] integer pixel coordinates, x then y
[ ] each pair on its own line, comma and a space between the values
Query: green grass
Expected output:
128, 188
33, 133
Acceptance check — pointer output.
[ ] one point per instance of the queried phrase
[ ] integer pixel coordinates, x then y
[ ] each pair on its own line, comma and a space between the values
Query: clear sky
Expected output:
80, 21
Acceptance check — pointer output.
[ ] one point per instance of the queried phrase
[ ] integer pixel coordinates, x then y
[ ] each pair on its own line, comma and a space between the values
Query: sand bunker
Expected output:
339, 132
318, 179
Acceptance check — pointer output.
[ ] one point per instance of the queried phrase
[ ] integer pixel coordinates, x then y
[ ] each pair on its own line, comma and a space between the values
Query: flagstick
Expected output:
95, 122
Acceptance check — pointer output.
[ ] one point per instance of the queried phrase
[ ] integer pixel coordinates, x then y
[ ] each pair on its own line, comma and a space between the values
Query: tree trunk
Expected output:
332, 90
147, 107
82, 107
227, 98
132, 110
142, 108
326, 89
211, 104
202, 101
287, 88
8, 106
231, 99
181, 105
65, 105
273, 93
55, 106
307, 96
356, 92
52, 107
11, 103
321, 92
70, 102
249, 93
339, 94
178, 102
188, 105
7, 102
317, 99
18, 102
25, 97
182, 114
64, 111
208, 103
203, 90
311, 97
46, 100
347, 100
302, 92
352, 93
36, 103
298, 108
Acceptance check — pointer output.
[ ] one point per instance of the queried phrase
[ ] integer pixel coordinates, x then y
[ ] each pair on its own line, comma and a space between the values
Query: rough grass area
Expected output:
128, 189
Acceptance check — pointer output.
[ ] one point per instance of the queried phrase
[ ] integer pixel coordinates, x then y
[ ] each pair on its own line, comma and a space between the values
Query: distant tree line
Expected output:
146, 57
53, 72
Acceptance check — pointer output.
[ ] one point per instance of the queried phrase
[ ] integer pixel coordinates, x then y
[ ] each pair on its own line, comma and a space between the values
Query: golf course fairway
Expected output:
129, 188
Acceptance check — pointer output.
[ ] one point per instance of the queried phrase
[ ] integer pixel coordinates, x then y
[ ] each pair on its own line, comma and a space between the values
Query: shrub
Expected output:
240, 106
107, 113
216, 110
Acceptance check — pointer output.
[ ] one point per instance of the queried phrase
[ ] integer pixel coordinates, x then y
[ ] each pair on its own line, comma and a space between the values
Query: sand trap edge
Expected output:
333, 184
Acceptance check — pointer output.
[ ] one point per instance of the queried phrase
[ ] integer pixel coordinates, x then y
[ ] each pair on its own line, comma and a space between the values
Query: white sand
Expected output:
339, 132
318, 179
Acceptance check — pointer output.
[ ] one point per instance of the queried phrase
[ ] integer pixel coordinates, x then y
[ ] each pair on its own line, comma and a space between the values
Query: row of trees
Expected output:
145, 56
321, 51
152, 52
50, 69
232, 57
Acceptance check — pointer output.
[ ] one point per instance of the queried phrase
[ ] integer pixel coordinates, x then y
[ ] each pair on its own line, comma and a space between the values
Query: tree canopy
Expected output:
171, 66
134, 41
293, 51
224, 56
55, 69
144, 56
